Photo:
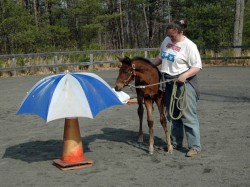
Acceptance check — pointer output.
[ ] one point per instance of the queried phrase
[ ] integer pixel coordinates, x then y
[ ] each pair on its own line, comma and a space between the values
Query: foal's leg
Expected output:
140, 112
163, 120
149, 107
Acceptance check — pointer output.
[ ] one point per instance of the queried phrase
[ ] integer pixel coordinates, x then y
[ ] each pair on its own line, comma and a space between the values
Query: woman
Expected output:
181, 61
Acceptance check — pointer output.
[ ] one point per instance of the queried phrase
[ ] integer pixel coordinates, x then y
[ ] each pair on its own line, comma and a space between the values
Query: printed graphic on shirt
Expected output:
170, 52
168, 56
175, 48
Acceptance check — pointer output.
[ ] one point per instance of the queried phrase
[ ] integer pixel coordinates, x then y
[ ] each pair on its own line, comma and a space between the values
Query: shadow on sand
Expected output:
36, 151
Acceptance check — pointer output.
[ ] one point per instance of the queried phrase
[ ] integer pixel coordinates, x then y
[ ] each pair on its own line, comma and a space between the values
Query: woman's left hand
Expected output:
182, 78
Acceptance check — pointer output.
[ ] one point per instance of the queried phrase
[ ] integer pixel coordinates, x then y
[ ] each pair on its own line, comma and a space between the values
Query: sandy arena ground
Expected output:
28, 145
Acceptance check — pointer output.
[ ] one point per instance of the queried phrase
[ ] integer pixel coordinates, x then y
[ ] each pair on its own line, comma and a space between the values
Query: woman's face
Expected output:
174, 35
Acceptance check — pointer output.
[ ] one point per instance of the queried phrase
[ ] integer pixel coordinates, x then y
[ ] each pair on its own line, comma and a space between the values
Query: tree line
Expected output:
31, 26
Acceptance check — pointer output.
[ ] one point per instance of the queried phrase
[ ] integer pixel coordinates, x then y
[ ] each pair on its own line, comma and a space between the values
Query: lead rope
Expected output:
180, 102
145, 86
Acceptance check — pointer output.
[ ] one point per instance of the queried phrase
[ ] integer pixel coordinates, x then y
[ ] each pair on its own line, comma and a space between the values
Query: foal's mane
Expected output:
147, 61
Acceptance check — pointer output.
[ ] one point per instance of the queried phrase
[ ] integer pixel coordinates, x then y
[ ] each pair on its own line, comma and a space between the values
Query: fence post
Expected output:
225, 51
55, 63
146, 54
91, 60
14, 66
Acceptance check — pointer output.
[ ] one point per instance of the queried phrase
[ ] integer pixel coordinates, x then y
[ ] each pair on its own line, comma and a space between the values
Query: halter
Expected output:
133, 66
132, 74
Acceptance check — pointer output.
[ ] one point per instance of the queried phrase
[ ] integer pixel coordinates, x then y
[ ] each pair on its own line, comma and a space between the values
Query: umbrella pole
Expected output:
73, 154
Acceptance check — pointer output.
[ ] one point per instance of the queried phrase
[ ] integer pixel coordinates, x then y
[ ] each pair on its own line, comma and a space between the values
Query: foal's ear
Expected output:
119, 58
126, 60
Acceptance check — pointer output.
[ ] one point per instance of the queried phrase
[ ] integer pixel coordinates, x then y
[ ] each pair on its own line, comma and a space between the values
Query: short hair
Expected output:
180, 25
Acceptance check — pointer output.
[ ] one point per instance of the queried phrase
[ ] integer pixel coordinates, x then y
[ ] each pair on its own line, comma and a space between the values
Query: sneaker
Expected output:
192, 153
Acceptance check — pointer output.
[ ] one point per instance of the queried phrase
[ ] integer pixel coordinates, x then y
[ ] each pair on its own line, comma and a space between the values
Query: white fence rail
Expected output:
54, 63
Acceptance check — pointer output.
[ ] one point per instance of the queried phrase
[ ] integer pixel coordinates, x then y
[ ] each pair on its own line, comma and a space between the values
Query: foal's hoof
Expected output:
169, 149
151, 151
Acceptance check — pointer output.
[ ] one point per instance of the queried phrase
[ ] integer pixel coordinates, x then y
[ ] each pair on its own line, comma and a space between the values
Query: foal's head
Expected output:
125, 75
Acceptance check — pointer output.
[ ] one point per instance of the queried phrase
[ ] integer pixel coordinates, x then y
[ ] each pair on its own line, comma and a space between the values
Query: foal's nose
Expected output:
117, 89
119, 86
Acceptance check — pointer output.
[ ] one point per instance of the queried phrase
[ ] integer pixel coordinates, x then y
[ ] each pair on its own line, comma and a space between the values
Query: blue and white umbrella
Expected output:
68, 95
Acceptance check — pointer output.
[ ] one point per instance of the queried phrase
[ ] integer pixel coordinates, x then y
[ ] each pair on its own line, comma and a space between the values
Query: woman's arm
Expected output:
157, 61
191, 72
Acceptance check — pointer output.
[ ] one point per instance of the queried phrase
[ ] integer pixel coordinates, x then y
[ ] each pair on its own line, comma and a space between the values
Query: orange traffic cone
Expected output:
73, 154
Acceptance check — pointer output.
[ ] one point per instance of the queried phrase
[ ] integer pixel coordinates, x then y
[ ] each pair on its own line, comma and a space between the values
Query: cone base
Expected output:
72, 165
132, 101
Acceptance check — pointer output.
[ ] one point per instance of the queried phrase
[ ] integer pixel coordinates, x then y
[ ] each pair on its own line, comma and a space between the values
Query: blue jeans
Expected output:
188, 124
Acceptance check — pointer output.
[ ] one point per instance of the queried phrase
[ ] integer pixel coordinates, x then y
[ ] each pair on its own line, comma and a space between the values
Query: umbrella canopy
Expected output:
69, 95
123, 97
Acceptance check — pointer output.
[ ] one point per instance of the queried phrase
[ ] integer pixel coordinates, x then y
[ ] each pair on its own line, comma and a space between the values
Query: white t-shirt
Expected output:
178, 58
